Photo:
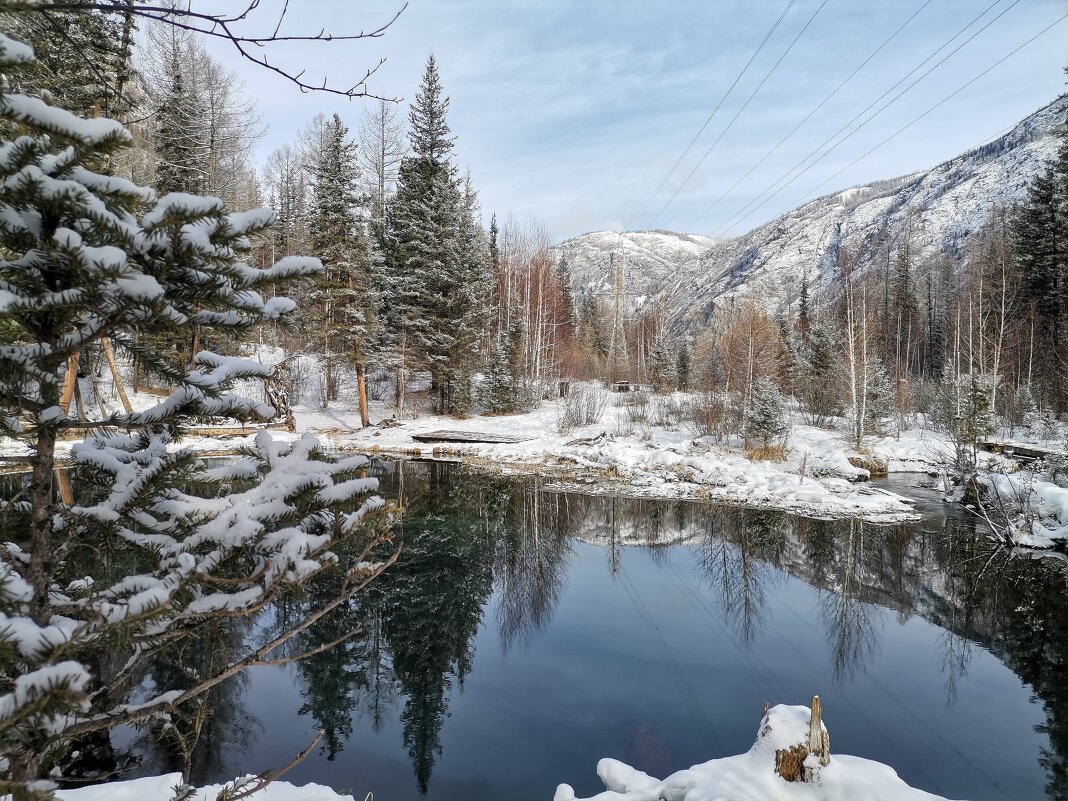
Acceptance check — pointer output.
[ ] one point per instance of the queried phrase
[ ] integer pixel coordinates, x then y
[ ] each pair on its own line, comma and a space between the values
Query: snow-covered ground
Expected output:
751, 776
650, 457
648, 460
617, 454
161, 788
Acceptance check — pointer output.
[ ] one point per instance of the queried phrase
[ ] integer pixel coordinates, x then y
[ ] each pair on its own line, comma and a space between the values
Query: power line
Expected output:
739, 112
750, 207
948, 97
808, 116
634, 219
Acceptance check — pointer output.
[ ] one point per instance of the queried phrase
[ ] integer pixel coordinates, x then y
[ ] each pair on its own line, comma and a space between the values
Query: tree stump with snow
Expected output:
793, 763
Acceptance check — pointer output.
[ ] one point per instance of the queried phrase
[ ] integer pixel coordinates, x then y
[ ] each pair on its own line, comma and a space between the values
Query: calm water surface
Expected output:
526, 633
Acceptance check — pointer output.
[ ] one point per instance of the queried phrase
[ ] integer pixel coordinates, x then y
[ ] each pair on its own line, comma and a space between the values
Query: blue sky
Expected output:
573, 112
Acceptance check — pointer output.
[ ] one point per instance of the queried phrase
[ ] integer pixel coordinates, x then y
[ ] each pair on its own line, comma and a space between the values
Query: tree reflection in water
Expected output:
467, 538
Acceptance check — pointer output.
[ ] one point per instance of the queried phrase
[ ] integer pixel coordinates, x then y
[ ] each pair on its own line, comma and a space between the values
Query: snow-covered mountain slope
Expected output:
943, 206
649, 260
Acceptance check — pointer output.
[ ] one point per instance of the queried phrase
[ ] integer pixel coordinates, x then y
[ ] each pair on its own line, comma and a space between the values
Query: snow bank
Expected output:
751, 776
1038, 509
161, 788
641, 460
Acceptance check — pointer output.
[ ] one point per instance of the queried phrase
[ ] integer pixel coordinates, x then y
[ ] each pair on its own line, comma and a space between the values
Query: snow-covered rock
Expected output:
751, 776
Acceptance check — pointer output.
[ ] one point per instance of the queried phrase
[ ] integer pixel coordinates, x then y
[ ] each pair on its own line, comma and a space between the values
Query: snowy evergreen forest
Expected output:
159, 284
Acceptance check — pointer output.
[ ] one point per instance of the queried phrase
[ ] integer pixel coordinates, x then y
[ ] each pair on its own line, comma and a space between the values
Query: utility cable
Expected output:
634, 219
808, 116
739, 112
752, 205
939, 103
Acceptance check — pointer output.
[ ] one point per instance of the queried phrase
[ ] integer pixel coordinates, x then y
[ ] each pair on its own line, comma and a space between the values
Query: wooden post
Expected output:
819, 742
115, 374
69, 382
99, 399
78, 401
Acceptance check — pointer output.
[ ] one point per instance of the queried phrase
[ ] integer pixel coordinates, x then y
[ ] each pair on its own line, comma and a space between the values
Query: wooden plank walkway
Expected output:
468, 436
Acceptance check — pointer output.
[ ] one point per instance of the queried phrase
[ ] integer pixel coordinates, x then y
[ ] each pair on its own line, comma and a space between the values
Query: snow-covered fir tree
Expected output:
343, 314
470, 307
684, 366
143, 563
880, 400
765, 420
83, 58
496, 393
181, 136
437, 261
663, 362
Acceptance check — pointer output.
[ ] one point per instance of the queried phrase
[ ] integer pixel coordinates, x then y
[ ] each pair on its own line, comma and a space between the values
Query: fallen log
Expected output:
468, 436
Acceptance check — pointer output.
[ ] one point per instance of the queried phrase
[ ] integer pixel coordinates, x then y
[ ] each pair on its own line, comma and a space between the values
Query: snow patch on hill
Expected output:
647, 260
943, 206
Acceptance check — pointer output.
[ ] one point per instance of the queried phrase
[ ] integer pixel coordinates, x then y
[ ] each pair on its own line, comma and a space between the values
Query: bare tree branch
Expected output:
223, 27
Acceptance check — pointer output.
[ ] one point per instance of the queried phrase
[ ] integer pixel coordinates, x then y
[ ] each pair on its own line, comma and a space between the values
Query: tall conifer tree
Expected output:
344, 299
436, 256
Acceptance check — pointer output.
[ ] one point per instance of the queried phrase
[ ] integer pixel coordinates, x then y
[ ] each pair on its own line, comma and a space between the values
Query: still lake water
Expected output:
525, 633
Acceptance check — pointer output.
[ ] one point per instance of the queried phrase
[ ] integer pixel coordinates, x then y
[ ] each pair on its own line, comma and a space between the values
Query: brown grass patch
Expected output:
770, 453
873, 464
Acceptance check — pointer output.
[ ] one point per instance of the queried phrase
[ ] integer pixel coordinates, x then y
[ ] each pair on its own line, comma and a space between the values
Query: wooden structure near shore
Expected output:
793, 763
1027, 452
468, 436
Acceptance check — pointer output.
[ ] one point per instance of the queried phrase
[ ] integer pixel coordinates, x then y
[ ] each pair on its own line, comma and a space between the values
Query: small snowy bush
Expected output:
766, 420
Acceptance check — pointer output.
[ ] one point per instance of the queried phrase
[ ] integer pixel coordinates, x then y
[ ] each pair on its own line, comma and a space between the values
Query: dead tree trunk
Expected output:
115, 374
361, 386
793, 763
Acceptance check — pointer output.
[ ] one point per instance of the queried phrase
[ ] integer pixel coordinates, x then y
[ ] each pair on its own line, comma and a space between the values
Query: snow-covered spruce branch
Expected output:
160, 547
169, 702
225, 27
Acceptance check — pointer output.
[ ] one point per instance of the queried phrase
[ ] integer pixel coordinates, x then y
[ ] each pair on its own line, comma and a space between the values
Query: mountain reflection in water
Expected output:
525, 633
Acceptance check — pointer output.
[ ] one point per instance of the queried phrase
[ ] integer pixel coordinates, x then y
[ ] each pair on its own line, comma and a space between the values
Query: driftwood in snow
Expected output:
1019, 451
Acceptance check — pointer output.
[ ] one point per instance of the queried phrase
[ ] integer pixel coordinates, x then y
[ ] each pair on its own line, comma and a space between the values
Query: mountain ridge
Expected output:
941, 206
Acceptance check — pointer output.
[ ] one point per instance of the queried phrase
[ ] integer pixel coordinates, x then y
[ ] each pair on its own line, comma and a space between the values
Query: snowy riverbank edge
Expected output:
752, 776
819, 477
746, 777
816, 479
161, 788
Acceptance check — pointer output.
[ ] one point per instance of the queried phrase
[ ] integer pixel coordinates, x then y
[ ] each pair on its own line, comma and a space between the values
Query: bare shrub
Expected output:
667, 412
380, 385
713, 414
766, 453
583, 405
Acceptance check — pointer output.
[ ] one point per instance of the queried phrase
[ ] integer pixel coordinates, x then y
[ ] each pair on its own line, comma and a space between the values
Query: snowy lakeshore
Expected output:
816, 479
752, 776
818, 473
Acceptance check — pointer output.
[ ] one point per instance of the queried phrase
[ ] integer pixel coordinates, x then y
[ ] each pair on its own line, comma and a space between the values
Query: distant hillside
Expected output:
692, 274
650, 260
